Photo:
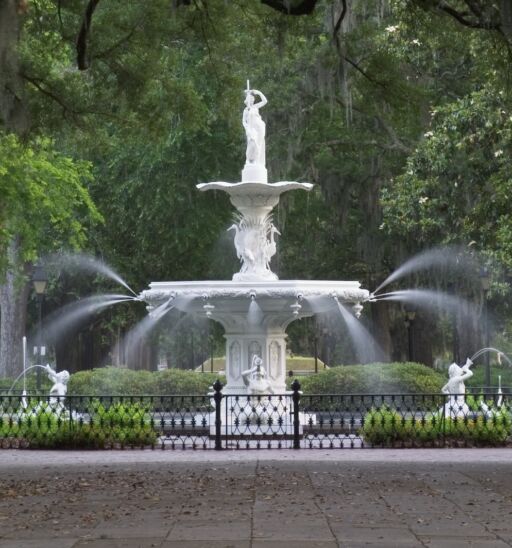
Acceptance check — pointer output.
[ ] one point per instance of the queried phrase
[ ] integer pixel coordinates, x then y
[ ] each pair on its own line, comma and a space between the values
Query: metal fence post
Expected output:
296, 421
217, 396
443, 418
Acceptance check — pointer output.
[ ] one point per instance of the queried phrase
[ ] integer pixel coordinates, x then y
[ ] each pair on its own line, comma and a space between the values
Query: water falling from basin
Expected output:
254, 314
366, 347
147, 324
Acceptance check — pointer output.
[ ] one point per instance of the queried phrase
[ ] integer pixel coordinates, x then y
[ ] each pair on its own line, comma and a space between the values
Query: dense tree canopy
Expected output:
399, 111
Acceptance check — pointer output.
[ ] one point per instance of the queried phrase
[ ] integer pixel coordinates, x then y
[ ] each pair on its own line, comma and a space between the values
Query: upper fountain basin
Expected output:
255, 194
255, 187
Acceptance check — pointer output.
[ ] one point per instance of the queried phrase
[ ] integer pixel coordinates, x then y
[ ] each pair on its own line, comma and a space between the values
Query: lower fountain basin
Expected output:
291, 298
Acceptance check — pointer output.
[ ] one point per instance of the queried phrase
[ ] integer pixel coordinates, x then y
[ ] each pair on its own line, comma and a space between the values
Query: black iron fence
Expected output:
241, 421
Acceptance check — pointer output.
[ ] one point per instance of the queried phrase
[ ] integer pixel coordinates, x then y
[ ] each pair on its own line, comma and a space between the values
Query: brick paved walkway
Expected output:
258, 499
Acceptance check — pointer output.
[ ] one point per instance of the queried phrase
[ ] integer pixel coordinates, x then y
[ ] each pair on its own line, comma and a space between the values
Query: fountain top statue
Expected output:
255, 133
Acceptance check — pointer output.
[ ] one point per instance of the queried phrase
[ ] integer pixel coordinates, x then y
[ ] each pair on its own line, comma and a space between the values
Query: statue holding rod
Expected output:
254, 126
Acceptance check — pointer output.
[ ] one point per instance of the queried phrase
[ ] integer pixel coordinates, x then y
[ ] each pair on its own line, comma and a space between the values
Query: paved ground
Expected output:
259, 499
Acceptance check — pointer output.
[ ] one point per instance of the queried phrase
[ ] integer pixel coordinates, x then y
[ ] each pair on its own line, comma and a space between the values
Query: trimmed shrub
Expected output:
179, 381
126, 382
47, 426
479, 429
375, 378
387, 427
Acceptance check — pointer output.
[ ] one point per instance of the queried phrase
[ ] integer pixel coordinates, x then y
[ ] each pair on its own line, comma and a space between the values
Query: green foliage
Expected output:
376, 378
50, 426
386, 426
303, 363
457, 183
480, 429
177, 381
293, 363
125, 382
45, 203
130, 423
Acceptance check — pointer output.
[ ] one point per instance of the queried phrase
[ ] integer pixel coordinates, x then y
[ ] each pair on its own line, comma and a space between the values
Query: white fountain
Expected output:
255, 307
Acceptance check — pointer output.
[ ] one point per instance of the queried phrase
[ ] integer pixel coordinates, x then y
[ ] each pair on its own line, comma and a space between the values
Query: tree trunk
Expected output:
13, 108
13, 314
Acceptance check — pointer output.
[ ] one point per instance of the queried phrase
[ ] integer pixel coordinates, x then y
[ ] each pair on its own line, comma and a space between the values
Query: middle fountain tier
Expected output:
255, 307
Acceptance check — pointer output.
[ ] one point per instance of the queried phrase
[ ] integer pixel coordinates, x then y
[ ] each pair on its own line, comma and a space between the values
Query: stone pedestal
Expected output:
254, 173
240, 350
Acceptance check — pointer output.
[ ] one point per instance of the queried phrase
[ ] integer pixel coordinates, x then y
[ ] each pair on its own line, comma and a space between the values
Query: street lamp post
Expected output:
485, 280
410, 312
40, 281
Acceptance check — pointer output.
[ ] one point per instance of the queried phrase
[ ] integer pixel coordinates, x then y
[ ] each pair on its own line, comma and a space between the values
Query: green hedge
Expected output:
50, 427
375, 378
125, 382
387, 427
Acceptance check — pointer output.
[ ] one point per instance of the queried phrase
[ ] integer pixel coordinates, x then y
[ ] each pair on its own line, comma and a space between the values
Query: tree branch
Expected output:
461, 18
288, 7
480, 15
37, 83
115, 45
42, 86
363, 72
83, 35
337, 26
